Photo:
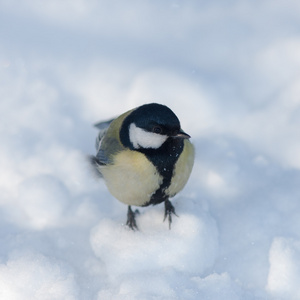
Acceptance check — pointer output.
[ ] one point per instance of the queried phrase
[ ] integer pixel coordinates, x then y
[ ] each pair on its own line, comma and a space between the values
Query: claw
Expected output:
169, 210
131, 223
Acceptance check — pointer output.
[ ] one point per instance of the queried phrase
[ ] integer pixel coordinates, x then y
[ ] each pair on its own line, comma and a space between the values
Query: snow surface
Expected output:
229, 69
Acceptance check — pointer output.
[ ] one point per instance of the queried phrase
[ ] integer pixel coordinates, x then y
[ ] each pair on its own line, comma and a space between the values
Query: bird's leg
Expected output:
131, 223
169, 210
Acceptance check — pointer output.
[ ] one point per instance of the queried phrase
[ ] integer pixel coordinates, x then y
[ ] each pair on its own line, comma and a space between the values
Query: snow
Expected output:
229, 70
284, 267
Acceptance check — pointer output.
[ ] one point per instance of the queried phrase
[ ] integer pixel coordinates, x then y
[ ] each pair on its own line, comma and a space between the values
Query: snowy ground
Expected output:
229, 69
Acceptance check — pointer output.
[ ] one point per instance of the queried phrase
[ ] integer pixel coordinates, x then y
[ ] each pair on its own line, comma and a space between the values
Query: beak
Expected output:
181, 135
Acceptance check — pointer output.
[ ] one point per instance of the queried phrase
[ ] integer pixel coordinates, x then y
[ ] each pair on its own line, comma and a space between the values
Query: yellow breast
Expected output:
131, 178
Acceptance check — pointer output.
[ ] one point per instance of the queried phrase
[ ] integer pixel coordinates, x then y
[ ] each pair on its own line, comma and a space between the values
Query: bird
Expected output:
144, 157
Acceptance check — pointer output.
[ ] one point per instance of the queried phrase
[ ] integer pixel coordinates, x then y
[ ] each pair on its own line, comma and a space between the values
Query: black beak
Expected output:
181, 135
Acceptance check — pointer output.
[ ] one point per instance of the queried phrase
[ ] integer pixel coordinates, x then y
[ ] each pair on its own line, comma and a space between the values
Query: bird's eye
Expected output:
157, 129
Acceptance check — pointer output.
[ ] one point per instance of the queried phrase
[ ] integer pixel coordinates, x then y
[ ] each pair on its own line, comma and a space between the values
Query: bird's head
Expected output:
150, 126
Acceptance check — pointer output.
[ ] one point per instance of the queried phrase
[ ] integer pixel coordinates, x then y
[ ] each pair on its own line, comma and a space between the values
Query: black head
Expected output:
150, 126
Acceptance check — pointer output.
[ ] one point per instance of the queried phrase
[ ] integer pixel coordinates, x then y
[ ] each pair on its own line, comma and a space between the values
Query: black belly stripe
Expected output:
160, 196
164, 159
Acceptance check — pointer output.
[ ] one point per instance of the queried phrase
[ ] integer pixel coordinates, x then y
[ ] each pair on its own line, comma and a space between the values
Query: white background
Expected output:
230, 70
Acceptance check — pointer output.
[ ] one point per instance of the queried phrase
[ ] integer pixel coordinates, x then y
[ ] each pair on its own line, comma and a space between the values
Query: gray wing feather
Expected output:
102, 126
101, 157
106, 146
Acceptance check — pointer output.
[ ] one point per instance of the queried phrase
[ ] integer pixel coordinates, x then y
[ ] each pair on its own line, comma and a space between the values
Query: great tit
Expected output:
144, 157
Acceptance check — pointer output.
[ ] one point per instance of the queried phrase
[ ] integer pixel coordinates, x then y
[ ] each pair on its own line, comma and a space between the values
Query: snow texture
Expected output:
229, 70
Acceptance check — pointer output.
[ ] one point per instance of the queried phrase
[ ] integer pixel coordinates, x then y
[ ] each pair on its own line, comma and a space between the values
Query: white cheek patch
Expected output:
144, 139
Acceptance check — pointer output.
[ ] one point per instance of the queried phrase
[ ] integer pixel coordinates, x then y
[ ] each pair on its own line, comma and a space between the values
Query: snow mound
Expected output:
190, 246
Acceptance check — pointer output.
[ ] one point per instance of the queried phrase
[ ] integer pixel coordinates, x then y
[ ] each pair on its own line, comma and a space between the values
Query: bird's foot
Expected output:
131, 223
169, 210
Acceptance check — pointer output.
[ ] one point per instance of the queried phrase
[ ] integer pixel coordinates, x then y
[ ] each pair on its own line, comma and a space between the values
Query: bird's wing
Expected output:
108, 145
102, 126
111, 145
101, 158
